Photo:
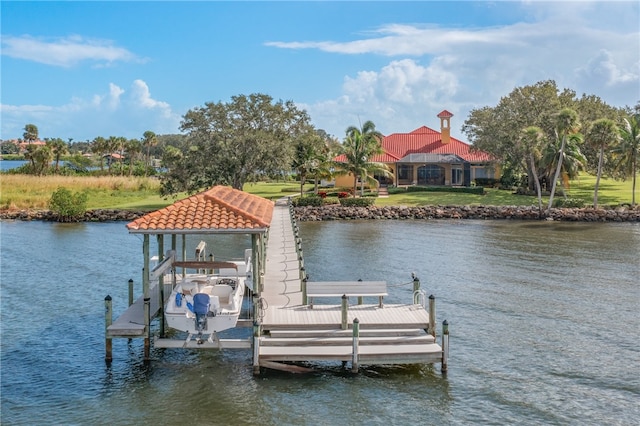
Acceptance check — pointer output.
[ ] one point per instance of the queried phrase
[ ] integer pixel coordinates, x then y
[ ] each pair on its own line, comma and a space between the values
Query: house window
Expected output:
456, 175
405, 172
483, 172
430, 174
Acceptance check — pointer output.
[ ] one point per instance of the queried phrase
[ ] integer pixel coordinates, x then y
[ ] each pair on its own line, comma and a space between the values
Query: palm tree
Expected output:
531, 139
602, 133
100, 147
30, 133
58, 149
566, 124
359, 147
134, 148
627, 151
149, 139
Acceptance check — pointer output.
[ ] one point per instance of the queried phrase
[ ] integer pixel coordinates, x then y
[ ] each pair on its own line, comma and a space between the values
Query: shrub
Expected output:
309, 200
343, 194
486, 182
568, 202
465, 189
356, 202
322, 194
67, 205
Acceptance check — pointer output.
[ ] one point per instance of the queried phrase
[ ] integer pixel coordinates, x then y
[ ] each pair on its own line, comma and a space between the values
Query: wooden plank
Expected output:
131, 322
345, 333
348, 341
368, 354
206, 344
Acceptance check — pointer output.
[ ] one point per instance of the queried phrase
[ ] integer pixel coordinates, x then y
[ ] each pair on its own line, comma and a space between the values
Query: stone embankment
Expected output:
337, 212
331, 212
101, 215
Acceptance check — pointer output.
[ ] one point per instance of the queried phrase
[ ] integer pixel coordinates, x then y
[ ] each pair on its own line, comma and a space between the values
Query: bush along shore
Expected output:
338, 212
586, 214
99, 215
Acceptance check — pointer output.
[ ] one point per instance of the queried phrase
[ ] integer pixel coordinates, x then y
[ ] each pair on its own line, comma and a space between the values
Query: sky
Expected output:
79, 70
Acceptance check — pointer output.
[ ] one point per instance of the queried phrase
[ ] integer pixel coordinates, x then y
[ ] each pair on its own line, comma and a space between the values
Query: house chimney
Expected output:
445, 126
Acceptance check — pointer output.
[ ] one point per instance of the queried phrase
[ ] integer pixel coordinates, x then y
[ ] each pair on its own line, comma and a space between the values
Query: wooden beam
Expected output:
285, 367
195, 264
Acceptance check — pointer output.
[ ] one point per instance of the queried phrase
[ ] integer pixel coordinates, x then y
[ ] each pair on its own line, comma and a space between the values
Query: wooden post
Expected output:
445, 345
303, 288
432, 315
160, 239
356, 344
108, 320
416, 284
256, 334
345, 305
130, 291
360, 297
147, 298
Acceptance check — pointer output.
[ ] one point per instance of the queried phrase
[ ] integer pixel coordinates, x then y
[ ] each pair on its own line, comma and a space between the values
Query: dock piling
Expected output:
130, 291
345, 305
432, 315
108, 320
445, 345
356, 345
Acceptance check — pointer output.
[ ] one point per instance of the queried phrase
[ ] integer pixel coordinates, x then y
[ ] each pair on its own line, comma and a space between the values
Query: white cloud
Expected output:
577, 44
65, 52
116, 112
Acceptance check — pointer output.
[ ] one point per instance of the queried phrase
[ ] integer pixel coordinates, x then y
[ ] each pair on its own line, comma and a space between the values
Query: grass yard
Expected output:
33, 192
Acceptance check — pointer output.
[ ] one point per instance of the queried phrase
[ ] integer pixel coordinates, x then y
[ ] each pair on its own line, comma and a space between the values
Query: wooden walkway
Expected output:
293, 331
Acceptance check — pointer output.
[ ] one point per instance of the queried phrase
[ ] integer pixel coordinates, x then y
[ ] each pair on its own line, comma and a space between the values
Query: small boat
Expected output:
203, 304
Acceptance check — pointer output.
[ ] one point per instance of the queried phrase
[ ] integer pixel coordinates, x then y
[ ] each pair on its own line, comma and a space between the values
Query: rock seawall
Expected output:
587, 214
337, 212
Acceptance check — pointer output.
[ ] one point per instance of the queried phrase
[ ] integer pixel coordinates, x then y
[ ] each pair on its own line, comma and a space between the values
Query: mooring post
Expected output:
432, 315
345, 304
303, 288
108, 319
445, 345
356, 344
416, 284
130, 291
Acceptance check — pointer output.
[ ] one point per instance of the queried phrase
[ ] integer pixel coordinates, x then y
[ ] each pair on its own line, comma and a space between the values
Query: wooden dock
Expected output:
288, 328
292, 330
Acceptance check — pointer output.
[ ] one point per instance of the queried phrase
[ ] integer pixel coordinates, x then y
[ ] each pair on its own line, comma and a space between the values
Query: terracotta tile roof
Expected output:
445, 114
219, 209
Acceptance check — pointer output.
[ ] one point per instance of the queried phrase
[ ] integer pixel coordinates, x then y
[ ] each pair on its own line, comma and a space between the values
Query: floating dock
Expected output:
290, 326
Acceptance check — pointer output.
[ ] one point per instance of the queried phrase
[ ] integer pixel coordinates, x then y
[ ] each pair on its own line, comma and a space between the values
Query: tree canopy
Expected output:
234, 143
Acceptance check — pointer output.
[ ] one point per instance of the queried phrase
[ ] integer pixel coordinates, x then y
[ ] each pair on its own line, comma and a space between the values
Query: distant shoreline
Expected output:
336, 212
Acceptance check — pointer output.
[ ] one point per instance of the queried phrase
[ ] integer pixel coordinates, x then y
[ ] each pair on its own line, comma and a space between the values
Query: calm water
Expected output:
11, 164
543, 317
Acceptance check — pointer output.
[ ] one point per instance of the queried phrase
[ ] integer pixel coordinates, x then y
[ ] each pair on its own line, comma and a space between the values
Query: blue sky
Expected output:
86, 69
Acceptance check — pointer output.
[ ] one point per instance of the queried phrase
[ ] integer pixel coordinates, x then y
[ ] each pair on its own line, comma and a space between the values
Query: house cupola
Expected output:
445, 126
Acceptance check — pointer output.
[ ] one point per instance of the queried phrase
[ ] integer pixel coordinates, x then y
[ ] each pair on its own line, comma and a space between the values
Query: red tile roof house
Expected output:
426, 157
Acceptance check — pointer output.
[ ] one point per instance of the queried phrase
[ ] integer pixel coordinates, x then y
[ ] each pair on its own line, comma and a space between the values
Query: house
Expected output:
428, 157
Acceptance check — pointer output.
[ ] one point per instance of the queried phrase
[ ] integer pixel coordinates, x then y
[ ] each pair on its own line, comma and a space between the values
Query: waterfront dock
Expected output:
294, 320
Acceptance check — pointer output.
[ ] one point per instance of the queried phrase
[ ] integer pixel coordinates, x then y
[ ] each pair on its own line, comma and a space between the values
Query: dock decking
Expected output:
295, 331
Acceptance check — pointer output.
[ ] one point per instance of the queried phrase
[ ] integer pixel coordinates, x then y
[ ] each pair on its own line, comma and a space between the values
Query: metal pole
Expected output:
161, 283
108, 320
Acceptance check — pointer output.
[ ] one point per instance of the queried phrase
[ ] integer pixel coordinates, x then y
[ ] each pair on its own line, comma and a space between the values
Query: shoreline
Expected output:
337, 212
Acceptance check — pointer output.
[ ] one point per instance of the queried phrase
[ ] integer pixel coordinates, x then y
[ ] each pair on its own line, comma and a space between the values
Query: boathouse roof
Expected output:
220, 209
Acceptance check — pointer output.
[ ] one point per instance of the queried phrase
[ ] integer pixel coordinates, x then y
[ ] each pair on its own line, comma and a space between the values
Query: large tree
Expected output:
601, 135
307, 156
531, 140
236, 142
359, 146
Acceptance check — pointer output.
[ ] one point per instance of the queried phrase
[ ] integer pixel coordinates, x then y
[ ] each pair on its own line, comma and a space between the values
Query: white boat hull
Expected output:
224, 299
